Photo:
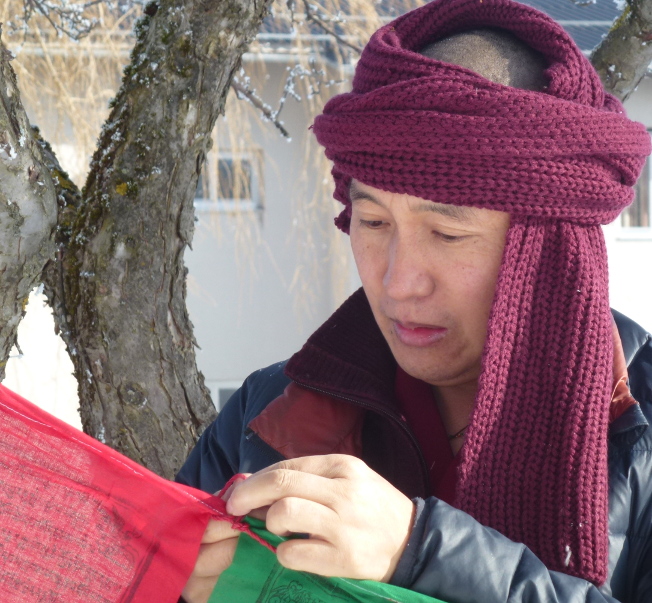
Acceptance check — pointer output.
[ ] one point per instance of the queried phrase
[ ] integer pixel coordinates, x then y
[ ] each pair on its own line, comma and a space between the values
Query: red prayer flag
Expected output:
80, 522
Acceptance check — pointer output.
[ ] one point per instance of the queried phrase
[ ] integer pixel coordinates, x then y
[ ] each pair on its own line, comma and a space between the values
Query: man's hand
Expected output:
358, 523
215, 555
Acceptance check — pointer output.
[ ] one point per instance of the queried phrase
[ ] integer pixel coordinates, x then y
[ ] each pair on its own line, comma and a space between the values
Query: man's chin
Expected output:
436, 371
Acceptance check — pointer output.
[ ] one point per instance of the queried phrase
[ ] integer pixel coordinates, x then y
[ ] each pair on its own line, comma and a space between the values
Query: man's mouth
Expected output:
418, 335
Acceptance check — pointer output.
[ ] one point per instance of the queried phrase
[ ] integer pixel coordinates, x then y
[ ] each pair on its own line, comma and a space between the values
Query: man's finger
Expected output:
259, 513
217, 530
267, 487
226, 494
300, 516
311, 555
214, 558
331, 466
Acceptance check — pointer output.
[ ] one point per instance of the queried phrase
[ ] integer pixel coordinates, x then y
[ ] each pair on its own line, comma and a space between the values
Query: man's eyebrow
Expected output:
456, 212
356, 194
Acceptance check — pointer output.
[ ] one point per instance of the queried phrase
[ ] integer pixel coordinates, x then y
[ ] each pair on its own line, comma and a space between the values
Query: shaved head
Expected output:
495, 54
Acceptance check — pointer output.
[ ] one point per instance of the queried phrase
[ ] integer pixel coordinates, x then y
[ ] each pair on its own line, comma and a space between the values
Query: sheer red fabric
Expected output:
79, 522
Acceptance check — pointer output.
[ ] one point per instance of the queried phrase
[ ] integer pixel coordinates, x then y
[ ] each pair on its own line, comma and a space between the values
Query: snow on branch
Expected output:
66, 17
583, 2
245, 91
326, 23
313, 76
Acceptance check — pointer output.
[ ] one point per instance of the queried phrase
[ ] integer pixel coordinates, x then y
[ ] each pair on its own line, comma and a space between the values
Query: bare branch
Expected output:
583, 2
320, 20
66, 18
315, 77
623, 57
244, 91
27, 209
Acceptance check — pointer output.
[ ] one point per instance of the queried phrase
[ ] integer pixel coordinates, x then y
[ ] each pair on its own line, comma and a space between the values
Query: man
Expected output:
477, 375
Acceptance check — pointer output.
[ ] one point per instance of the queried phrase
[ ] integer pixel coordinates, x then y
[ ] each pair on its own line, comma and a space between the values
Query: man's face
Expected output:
429, 271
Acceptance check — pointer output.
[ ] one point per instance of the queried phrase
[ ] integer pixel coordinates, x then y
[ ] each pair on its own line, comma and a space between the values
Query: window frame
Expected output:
215, 385
639, 233
211, 167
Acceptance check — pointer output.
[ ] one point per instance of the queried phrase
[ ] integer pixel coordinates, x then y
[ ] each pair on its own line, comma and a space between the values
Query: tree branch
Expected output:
69, 202
314, 17
244, 91
124, 275
66, 18
623, 57
27, 210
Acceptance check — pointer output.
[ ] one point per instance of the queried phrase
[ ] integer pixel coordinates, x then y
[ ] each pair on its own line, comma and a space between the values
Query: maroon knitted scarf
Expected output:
561, 162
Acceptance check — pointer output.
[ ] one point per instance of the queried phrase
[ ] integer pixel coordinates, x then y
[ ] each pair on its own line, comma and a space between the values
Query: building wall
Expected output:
630, 249
260, 282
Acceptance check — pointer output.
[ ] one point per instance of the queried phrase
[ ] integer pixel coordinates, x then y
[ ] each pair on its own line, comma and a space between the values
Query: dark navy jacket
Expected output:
450, 555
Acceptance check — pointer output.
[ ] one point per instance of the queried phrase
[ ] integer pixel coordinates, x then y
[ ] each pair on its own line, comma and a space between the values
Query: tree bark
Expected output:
118, 285
28, 210
623, 57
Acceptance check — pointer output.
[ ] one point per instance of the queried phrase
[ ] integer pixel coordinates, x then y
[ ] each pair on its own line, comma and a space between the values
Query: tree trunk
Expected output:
623, 57
118, 287
28, 210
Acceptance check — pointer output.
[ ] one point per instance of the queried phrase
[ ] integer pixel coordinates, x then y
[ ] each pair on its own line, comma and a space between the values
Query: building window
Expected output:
637, 215
230, 182
223, 396
221, 391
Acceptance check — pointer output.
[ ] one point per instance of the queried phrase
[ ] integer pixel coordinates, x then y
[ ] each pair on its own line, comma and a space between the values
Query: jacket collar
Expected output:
627, 422
348, 357
628, 428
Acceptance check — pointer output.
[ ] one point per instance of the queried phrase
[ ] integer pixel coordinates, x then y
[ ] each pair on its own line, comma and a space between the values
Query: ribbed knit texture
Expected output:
561, 162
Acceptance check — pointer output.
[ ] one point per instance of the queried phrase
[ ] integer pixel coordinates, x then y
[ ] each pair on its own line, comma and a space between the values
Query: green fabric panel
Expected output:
255, 576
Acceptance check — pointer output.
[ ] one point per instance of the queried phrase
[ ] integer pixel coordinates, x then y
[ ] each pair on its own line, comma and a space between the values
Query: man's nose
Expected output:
408, 273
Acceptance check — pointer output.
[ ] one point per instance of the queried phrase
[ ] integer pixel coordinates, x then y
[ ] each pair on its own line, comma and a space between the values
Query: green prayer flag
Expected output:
255, 576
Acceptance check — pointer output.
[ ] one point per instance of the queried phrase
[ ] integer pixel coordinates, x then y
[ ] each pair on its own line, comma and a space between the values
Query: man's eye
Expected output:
372, 223
447, 238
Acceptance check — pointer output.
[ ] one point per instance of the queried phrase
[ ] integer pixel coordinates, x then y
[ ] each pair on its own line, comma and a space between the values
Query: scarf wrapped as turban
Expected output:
561, 161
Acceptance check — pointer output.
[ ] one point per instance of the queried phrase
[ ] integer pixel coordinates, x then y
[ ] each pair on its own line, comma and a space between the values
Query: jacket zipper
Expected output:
392, 417
266, 449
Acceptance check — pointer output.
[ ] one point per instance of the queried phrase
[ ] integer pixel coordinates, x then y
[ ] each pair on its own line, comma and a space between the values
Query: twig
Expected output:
257, 102
311, 16
315, 80
66, 19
